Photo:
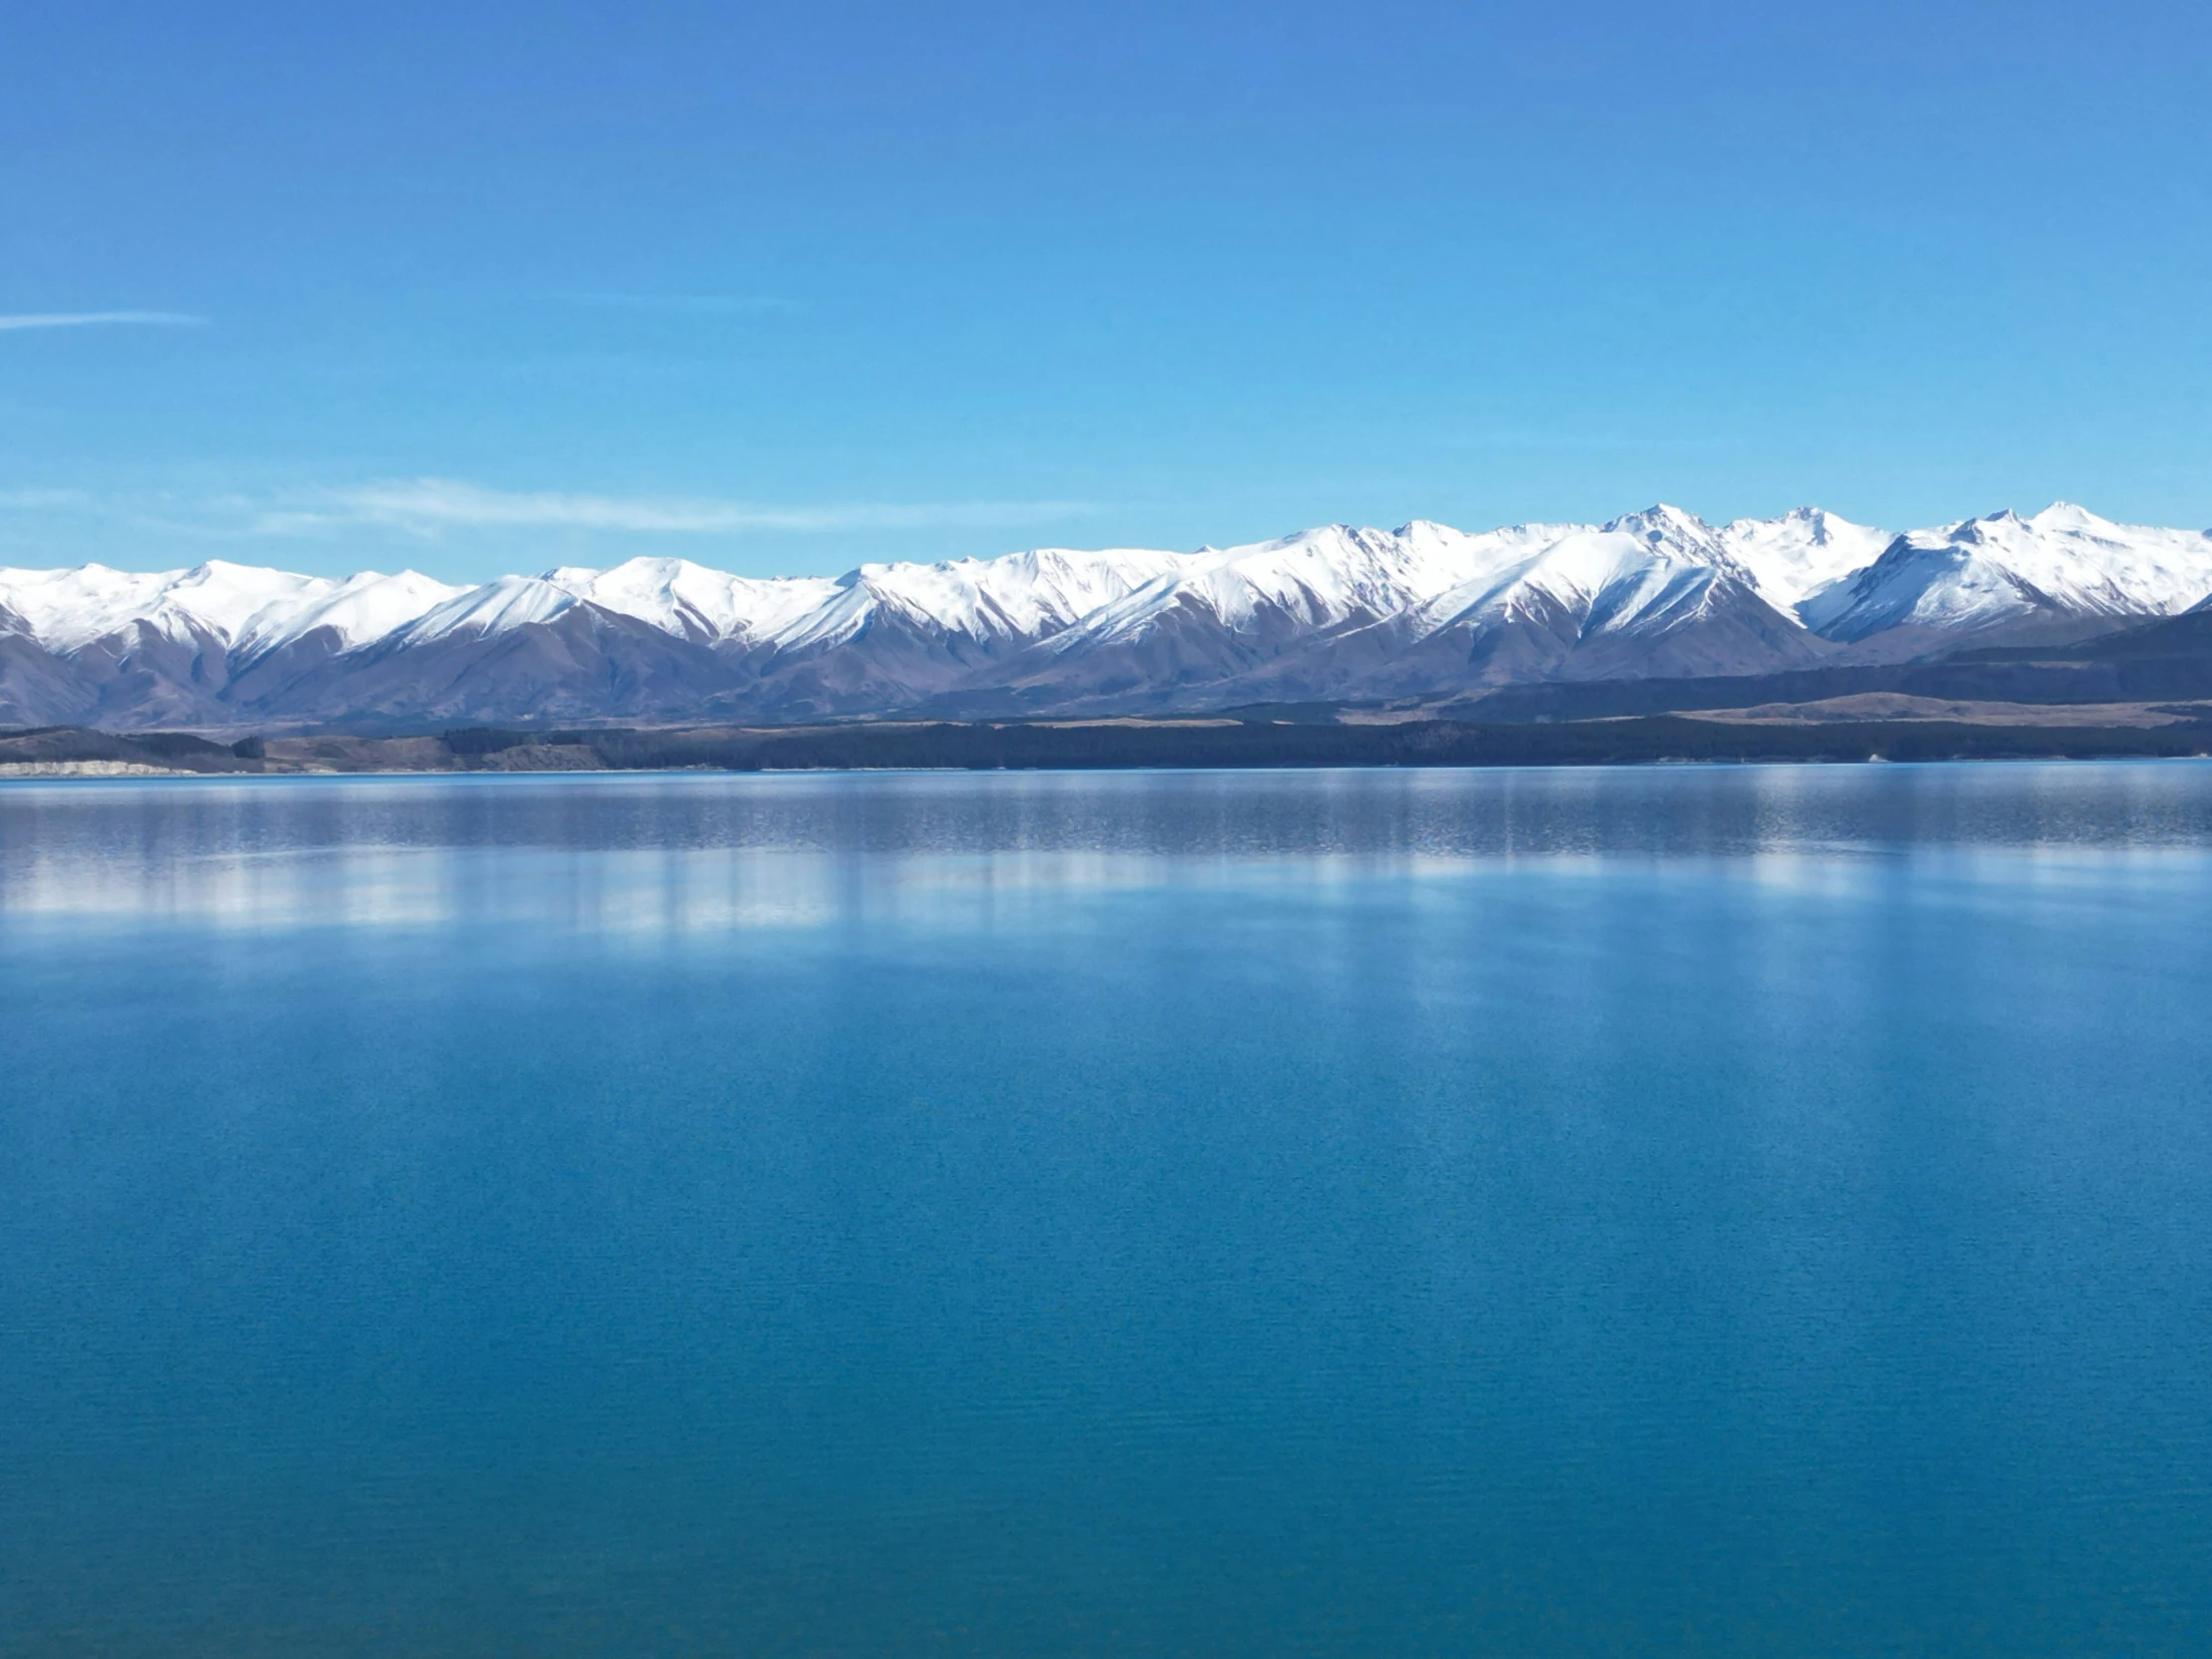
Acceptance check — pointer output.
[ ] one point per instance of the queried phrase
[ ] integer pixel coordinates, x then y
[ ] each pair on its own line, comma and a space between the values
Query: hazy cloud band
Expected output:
429, 504
81, 319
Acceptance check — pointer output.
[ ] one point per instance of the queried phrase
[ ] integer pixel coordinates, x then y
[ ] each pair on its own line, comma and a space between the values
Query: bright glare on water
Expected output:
1700, 1211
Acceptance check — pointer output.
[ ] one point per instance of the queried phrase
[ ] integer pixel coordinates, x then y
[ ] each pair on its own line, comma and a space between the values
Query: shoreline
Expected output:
1762, 738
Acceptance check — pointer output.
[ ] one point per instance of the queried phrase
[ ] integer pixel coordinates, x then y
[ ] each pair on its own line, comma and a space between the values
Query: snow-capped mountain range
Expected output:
1335, 613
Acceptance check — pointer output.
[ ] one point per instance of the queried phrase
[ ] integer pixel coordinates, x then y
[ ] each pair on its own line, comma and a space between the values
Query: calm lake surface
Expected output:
1701, 1211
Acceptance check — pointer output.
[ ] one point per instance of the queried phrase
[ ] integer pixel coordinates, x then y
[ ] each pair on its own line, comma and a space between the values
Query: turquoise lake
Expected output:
1651, 1211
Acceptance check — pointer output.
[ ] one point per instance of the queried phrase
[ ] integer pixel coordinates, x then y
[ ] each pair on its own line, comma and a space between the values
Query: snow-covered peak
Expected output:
695, 602
1623, 576
68, 609
1326, 575
362, 608
504, 603
1982, 572
2064, 515
1314, 579
1637, 573
225, 598
65, 609
1794, 557
1021, 591
1660, 525
2091, 564
1020, 596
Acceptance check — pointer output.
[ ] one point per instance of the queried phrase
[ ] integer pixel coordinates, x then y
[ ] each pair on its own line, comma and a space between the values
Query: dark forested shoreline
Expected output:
1014, 744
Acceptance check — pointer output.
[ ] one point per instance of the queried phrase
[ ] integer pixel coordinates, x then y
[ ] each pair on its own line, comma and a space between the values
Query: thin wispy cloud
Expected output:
459, 514
11, 320
429, 506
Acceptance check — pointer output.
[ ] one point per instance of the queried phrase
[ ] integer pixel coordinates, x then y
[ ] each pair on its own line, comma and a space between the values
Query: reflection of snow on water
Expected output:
693, 854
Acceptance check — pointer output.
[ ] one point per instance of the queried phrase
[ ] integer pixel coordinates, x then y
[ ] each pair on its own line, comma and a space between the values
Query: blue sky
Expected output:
476, 287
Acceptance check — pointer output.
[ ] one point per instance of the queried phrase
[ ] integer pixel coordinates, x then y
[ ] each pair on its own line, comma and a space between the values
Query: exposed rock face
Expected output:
1335, 613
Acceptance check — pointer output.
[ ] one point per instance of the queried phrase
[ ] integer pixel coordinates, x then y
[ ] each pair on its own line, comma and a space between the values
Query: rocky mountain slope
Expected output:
1425, 611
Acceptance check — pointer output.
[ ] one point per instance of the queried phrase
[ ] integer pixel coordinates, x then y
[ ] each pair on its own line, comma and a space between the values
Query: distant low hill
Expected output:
1215, 742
